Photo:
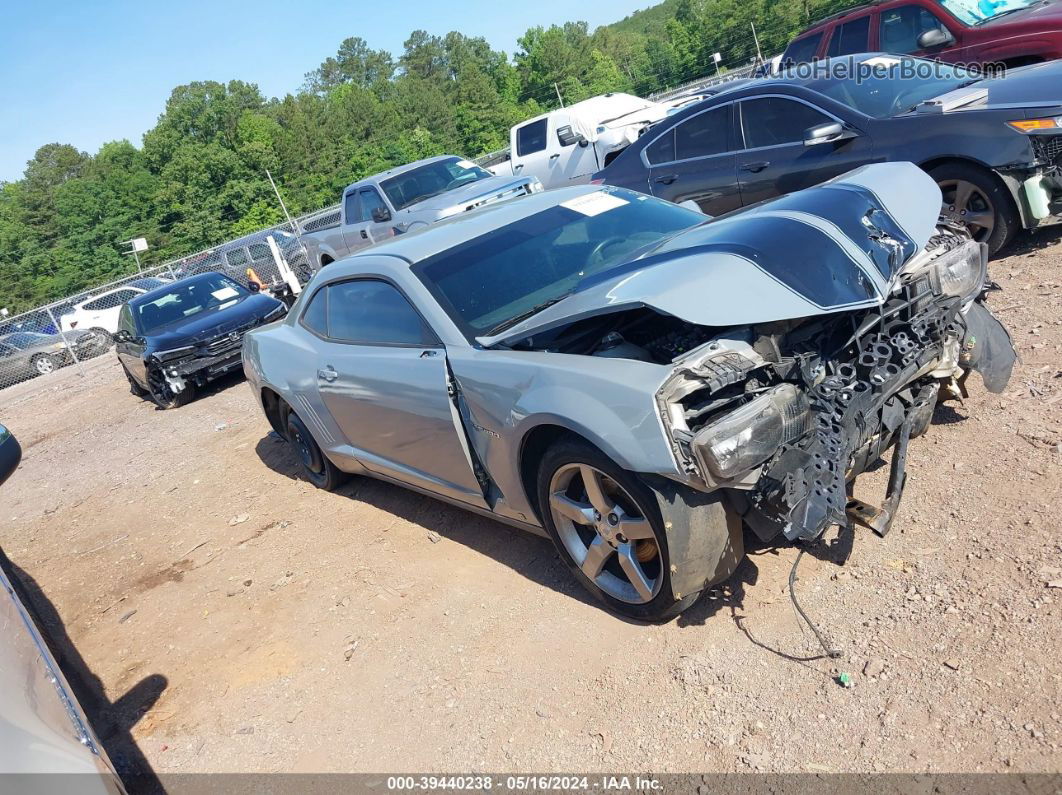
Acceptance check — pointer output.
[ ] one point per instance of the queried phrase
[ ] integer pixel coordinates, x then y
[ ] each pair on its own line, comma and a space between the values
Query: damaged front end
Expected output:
202, 361
785, 415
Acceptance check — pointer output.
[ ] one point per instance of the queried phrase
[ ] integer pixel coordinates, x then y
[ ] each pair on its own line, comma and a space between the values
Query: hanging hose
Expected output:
831, 652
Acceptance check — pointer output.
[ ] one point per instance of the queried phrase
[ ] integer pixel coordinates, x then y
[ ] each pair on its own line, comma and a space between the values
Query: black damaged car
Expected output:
178, 337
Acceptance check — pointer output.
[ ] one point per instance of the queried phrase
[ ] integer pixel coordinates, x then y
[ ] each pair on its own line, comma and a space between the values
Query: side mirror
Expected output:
10, 453
121, 335
935, 37
254, 286
827, 133
569, 137
381, 214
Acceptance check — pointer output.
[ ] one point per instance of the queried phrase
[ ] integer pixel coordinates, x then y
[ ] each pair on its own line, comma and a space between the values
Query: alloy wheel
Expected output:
967, 203
606, 533
44, 365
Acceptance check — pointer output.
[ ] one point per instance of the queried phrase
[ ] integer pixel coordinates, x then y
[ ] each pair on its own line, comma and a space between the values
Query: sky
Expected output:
85, 73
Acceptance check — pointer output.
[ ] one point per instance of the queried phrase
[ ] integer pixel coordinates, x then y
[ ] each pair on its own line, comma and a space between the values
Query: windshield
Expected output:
885, 86
430, 180
491, 282
974, 12
211, 291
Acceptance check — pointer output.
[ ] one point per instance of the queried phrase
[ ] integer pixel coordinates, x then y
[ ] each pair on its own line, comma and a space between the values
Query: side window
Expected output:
125, 320
774, 120
351, 208
370, 200
662, 150
802, 50
260, 253
901, 27
702, 135
92, 306
374, 312
851, 37
111, 300
314, 316
237, 257
531, 138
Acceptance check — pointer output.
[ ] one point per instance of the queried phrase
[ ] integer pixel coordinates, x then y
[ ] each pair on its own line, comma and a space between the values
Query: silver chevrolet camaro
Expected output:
638, 382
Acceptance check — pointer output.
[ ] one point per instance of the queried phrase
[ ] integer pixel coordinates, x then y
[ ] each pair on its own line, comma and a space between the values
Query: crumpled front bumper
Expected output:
884, 398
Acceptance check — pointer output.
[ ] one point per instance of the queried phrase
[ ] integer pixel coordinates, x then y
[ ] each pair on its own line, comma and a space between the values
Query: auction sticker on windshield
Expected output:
594, 203
225, 293
466, 164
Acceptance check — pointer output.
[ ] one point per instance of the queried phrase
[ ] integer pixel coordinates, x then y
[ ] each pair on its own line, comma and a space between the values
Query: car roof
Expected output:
416, 246
394, 172
162, 289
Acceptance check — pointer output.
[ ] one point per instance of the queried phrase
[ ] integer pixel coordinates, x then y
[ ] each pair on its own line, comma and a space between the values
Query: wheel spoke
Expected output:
963, 192
571, 509
636, 528
982, 219
596, 556
594, 492
633, 569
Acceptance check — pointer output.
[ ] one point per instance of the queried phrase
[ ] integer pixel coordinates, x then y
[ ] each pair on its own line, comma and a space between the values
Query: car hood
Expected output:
1029, 88
832, 248
467, 195
213, 323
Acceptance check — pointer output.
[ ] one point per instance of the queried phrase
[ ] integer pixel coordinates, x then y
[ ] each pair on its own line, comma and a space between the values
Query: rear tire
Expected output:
612, 535
315, 466
978, 197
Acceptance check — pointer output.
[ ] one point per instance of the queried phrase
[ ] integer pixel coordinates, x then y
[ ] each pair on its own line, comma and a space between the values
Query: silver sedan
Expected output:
635, 381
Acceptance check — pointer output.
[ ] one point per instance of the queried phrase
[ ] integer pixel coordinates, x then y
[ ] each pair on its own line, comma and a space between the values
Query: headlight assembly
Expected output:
961, 271
748, 436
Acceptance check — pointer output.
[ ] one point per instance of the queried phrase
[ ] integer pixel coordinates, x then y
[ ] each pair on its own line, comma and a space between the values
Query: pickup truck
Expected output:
402, 200
568, 145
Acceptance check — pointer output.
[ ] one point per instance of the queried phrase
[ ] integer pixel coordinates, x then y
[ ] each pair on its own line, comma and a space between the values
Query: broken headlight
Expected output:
961, 271
174, 353
748, 436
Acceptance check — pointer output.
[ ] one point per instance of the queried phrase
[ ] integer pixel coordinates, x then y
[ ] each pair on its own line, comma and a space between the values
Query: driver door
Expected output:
382, 375
775, 161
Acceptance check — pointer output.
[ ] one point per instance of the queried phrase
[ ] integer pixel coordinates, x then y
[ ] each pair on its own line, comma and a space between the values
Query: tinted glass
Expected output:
125, 320
314, 316
488, 282
802, 50
851, 37
662, 150
703, 135
531, 138
773, 120
237, 257
900, 28
370, 200
210, 292
260, 252
351, 210
429, 180
371, 311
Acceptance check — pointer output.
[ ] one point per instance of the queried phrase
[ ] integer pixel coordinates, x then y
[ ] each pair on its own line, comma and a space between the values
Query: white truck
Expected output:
566, 146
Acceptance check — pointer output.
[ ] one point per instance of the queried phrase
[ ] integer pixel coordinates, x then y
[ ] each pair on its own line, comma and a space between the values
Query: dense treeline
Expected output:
199, 177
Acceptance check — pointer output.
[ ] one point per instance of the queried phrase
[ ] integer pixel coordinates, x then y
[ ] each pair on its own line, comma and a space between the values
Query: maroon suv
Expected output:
1012, 32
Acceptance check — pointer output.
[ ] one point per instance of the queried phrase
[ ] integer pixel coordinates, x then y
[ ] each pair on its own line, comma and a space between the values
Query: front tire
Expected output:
45, 363
979, 199
165, 398
607, 526
315, 466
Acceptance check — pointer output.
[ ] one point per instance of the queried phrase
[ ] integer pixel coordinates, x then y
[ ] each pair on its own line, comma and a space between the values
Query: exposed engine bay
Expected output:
784, 415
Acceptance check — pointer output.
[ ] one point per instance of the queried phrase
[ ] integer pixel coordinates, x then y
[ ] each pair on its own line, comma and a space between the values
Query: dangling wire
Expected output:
831, 652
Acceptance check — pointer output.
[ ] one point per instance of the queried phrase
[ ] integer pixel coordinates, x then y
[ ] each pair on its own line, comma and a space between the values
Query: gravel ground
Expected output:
220, 615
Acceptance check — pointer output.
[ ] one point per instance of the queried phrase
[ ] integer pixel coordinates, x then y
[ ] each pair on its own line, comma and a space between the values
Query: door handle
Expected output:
328, 374
666, 179
554, 156
428, 354
364, 234
756, 167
